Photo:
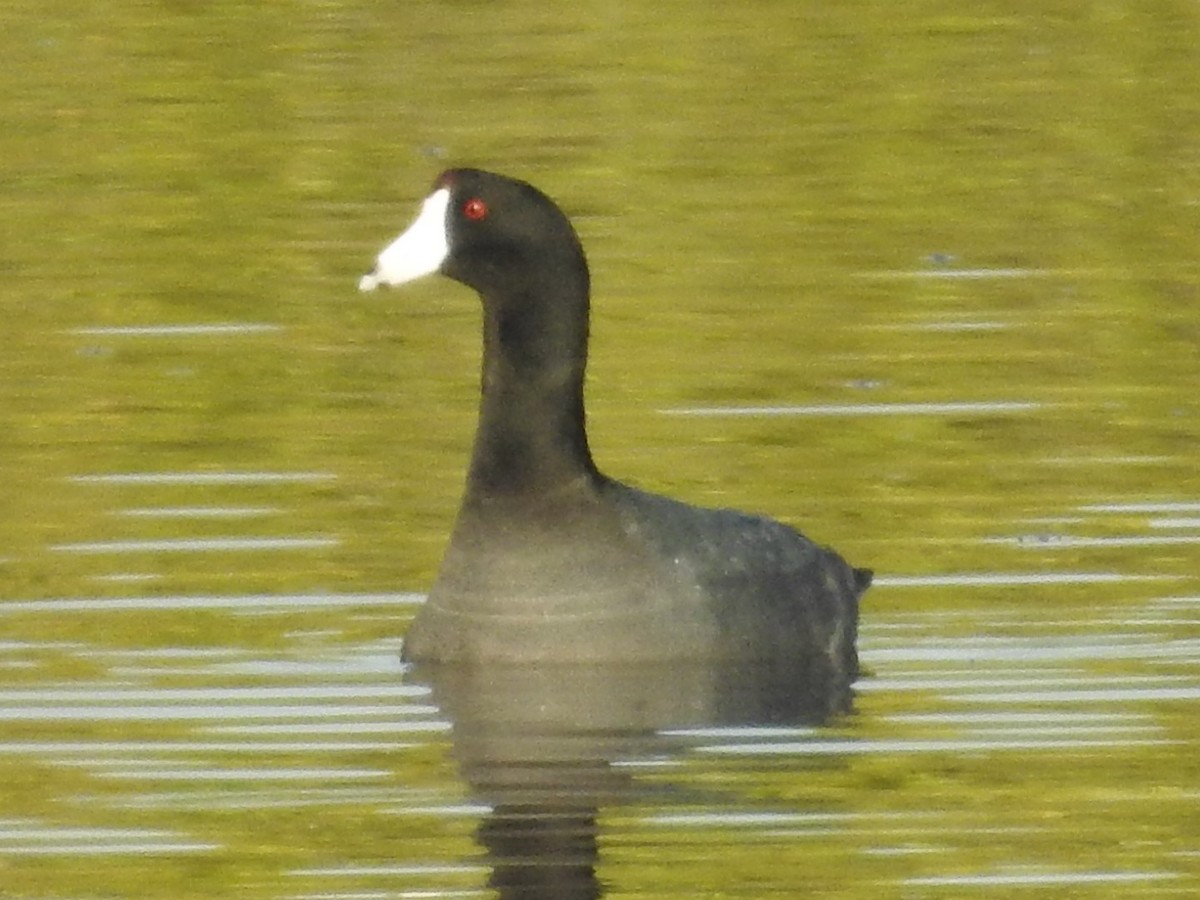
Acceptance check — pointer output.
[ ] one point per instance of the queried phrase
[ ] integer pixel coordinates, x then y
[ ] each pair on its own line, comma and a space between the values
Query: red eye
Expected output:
475, 209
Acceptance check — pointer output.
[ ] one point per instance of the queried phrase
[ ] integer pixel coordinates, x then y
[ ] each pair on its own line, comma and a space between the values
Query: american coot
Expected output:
550, 560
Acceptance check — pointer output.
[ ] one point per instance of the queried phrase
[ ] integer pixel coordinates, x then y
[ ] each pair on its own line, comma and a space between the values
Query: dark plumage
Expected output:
550, 560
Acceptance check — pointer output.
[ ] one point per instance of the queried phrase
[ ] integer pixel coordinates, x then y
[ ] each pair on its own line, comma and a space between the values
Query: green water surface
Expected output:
784, 205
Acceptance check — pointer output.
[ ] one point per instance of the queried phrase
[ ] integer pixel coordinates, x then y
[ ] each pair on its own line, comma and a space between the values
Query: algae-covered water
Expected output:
922, 282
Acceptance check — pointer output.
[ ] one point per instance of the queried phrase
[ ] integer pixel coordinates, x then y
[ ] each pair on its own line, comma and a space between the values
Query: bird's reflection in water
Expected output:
538, 745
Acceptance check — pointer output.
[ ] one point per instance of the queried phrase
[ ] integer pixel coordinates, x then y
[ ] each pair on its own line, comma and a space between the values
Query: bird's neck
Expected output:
531, 437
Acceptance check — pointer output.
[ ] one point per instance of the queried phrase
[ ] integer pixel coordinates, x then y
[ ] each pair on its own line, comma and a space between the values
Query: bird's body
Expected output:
550, 560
